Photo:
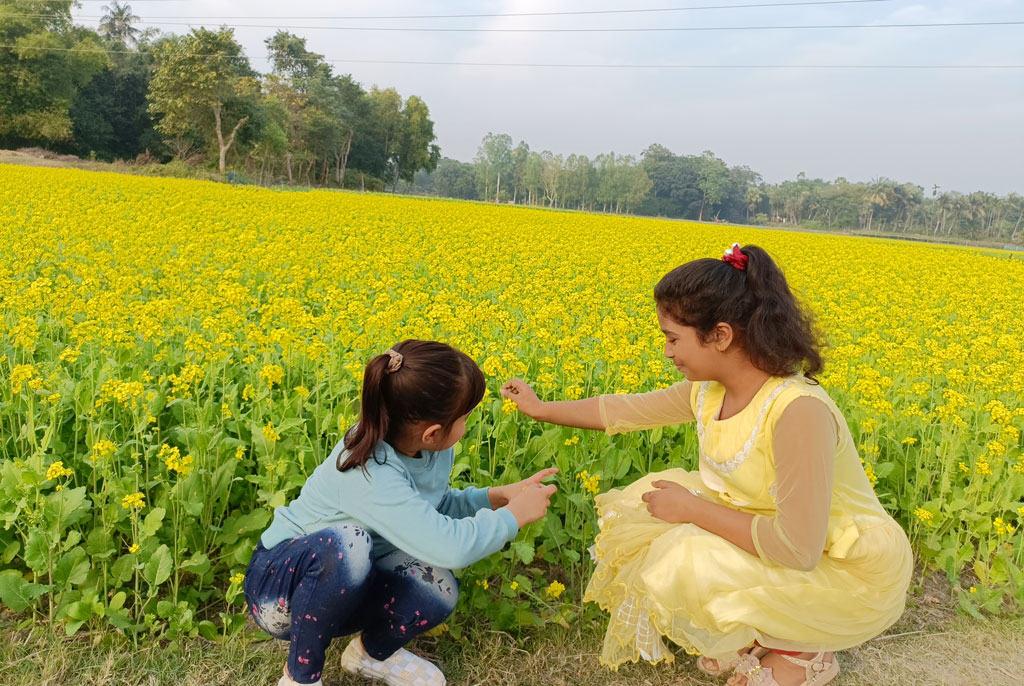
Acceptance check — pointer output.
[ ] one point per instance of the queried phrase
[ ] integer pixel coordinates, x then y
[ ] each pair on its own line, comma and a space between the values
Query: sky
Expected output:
956, 129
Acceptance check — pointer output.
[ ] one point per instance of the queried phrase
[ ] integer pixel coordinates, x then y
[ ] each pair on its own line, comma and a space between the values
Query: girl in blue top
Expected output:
369, 543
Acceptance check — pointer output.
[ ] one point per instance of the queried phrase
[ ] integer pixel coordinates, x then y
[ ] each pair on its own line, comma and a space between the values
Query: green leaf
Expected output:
158, 569
72, 627
119, 620
10, 550
17, 593
117, 602
523, 550
957, 504
208, 630
198, 564
72, 569
123, 569
37, 551
193, 507
967, 606
153, 521
82, 610
99, 544
65, 507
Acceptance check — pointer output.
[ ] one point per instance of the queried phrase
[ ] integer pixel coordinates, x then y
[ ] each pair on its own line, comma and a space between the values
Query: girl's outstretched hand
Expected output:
501, 495
531, 503
524, 396
671, 502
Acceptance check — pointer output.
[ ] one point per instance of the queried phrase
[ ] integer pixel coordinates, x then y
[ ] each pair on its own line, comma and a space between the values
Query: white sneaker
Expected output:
401, 669
287, 680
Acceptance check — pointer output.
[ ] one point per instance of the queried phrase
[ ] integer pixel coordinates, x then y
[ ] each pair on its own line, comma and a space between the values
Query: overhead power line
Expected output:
654, 29
692, 8
567, 65
575, 12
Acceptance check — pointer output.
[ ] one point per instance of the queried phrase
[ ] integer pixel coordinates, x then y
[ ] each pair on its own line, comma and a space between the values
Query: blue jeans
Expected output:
313, 589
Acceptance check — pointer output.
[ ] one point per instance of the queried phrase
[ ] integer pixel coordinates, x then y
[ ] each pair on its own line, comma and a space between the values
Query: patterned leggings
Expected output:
313, 589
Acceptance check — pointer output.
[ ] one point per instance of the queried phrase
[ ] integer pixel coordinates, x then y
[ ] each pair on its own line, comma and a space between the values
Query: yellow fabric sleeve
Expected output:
804, 446
637, 411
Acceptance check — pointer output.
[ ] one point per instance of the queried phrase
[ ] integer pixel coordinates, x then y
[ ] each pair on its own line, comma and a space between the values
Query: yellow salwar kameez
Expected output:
709, 596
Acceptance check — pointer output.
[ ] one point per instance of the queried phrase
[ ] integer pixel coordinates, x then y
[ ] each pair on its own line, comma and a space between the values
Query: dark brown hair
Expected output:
435, 383
774, 329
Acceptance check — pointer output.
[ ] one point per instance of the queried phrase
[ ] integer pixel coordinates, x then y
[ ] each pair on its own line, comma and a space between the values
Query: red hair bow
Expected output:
736, 258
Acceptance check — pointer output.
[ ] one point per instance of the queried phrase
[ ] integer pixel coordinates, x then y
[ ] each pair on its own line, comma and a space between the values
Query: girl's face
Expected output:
695, 360
456, 433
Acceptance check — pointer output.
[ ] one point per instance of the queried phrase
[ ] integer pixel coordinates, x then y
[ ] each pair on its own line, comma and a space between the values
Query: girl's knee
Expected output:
273, 615
347, 551
440, 591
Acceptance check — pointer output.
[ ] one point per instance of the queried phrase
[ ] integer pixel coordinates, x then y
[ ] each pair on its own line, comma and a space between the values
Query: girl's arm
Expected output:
804, 449
612, 413
581, 414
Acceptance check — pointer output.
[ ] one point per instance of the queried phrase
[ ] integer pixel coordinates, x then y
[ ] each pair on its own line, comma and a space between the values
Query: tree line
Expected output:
661, 183
121, 93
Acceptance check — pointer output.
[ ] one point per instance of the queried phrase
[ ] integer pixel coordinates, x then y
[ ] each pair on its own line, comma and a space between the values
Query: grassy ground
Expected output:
930, 645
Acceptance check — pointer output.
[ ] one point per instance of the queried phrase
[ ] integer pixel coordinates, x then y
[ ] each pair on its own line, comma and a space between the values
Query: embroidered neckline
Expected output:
733, 464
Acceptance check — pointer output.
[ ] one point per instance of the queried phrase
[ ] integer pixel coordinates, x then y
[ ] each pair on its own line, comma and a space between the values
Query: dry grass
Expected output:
930, 645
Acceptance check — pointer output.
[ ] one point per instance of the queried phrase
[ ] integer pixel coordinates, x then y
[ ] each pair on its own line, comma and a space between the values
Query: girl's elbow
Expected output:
807, 565
804, 562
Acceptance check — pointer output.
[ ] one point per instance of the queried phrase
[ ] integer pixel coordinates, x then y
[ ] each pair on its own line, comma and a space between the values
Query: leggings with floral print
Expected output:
312, 589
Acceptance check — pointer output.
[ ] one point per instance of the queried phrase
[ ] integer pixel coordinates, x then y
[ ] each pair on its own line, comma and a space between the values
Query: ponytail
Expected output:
779, 333
749, 292
414, 381
374, 423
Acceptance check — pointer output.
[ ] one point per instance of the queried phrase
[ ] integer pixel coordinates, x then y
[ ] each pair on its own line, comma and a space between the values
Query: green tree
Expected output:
520, 155
493, 162
753, 198
41, 74
415, 149
116, 24
454, 179
533, 177
110, 114
201, 83
712, 178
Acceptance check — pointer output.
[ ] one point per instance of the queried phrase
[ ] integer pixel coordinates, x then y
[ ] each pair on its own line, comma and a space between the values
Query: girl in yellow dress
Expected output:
775, 553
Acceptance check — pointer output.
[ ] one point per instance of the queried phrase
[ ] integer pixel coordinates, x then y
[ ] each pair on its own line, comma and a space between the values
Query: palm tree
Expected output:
117, 24
879, 193
1016, 203
753, 198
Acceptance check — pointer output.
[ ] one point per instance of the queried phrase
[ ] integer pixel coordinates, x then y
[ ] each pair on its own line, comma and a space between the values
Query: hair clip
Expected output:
395, 361
735, 257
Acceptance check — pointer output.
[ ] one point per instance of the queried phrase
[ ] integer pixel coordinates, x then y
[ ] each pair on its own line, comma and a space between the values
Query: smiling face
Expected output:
696, 360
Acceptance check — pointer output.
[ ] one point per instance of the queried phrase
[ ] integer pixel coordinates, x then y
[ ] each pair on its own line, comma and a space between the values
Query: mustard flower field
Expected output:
176, 356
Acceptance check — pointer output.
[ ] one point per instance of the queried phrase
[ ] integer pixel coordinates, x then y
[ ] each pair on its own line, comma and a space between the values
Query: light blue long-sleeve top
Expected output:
404, 503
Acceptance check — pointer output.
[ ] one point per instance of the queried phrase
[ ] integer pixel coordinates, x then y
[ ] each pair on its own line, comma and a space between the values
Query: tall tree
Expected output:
533, 177
415, 149
202, 82
712, 178
41, 74
520, 155
386, 113
117, 24
493, 162
454, 179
